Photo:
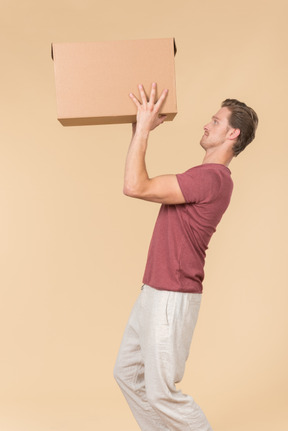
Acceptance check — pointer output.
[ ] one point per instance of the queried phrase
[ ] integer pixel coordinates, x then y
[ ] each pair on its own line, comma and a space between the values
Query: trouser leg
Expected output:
129, 374
165, 337
152, 359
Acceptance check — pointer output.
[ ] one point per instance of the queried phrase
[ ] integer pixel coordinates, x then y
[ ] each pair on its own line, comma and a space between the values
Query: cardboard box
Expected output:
94, 79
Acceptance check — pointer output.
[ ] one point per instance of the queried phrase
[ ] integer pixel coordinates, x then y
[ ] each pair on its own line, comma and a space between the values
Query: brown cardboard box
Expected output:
94, 79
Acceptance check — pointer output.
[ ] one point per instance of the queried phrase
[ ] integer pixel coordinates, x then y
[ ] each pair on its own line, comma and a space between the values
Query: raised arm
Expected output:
165, 188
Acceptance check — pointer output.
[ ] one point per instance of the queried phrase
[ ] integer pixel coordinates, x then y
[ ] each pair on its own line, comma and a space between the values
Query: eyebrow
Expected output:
216, 118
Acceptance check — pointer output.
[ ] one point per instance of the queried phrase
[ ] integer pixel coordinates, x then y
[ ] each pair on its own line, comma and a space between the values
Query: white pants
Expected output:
152, 358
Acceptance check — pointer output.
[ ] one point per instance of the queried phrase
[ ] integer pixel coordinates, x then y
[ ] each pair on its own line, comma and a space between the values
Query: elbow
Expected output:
136, 189
133, 191
129, 191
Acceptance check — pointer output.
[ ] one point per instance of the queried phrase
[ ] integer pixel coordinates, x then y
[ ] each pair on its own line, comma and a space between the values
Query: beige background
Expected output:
73, 248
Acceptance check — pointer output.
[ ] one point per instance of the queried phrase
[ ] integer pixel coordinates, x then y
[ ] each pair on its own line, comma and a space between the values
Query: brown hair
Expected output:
243, 118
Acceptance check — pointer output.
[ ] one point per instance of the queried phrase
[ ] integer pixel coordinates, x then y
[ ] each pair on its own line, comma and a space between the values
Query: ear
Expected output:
234, 134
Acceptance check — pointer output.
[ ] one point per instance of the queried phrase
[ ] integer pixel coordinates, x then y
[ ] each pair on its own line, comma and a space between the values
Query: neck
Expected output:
215, 156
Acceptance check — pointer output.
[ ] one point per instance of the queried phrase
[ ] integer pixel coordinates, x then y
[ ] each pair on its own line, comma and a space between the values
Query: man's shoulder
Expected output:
206, 170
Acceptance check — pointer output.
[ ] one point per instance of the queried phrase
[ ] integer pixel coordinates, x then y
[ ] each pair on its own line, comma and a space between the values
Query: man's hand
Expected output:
148, 117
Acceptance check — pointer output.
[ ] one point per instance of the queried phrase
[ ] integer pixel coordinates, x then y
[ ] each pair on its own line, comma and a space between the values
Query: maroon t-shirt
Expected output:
181, 235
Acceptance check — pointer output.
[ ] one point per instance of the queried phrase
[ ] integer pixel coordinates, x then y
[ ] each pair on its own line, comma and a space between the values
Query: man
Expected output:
157, 338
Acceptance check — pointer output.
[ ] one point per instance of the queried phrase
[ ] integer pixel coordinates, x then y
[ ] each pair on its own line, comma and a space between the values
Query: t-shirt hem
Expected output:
171, 289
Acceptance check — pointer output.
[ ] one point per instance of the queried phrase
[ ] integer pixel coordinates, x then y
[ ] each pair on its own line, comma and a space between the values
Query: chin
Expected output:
203, 144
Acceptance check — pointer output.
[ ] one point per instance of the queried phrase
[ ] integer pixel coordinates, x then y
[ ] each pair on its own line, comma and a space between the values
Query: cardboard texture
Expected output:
93, 80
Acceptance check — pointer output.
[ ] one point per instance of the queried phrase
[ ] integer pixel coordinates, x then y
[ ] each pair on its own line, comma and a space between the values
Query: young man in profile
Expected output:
157, 338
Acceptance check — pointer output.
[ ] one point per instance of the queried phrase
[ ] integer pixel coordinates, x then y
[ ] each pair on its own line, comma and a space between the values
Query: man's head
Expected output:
243, 118
233, 126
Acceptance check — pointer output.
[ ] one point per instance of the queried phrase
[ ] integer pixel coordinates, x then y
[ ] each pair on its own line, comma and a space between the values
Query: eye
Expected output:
215, 122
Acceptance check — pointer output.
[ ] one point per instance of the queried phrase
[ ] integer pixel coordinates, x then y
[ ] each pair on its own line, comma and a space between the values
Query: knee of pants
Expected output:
156, 399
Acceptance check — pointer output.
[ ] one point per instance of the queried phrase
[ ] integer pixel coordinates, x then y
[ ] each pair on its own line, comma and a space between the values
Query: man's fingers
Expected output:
161, 99
162, 117
135, 100
142, 94
155, 106
153, 93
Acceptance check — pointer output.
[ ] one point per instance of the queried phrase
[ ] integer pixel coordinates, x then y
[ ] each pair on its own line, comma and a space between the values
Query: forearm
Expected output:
136, 175
136, 180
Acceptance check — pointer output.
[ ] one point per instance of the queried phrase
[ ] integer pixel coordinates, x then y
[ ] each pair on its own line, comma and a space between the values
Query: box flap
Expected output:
174, 43
175, 47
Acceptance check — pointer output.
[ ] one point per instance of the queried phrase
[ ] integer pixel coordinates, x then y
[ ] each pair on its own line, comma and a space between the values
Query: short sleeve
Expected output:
199, 184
